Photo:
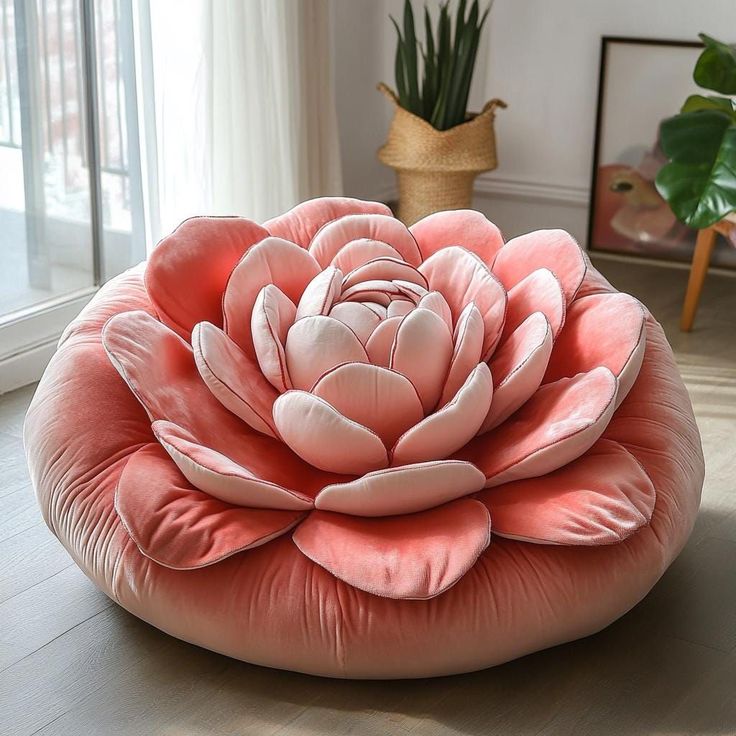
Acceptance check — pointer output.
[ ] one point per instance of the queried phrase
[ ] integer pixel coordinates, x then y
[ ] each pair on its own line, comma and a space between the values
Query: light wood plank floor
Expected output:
71, 662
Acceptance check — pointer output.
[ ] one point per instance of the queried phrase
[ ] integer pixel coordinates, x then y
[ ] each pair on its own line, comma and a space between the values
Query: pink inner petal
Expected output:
382, 400
316, 345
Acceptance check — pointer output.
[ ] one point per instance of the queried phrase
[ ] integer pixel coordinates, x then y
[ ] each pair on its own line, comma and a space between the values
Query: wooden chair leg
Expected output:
698, 270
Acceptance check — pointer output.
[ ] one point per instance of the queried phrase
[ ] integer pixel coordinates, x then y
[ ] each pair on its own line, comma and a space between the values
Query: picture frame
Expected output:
641, 82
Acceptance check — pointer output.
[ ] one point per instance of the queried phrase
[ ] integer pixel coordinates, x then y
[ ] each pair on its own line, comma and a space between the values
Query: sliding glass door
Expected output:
70, 185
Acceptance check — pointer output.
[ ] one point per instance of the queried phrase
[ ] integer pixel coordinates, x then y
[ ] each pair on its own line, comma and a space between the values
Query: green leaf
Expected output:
716, 66
444, 69
699, 182
399, 71
429, 88
464, 53
410, 58
709, 102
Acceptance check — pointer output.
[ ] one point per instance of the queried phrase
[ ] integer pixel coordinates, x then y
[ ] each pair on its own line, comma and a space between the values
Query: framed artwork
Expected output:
642, 81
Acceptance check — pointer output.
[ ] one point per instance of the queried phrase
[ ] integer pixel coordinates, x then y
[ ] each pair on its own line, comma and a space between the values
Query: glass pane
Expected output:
46, 239
123, 240
45, 233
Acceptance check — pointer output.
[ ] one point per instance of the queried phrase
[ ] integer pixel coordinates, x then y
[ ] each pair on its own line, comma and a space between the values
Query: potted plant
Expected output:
435, 146
699, 182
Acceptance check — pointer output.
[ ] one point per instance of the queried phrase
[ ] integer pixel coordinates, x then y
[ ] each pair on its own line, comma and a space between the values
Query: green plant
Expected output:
447, 63
699, 182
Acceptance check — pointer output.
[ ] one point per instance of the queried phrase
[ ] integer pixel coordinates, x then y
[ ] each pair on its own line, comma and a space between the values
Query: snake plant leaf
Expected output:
699, 182
716, 66
399, 67
709, 102
429, 88
410, 56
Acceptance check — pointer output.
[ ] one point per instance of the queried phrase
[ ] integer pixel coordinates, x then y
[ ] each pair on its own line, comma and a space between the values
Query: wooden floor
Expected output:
72, 662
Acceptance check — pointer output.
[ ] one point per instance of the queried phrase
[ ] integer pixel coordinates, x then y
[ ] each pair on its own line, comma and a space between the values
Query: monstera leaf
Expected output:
699, 182
716, 66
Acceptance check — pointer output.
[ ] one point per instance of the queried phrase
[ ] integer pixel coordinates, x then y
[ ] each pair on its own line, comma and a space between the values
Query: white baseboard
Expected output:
28, 339
27, 366
488, 185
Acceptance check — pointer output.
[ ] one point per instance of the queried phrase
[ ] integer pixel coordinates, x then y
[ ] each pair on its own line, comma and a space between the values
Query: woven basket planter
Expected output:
435, 169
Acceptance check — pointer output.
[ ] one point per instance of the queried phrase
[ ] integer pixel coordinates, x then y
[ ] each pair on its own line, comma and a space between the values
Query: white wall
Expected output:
542, 59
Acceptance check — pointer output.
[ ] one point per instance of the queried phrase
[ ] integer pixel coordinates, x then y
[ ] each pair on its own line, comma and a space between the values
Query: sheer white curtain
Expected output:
243, 108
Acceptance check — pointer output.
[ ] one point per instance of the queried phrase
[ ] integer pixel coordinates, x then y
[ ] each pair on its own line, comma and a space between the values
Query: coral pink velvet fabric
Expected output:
273, 605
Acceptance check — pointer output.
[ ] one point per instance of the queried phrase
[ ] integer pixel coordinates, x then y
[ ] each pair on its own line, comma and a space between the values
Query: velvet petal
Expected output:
321, 293
555, 250
381, 341
301, 223
435, 302
416, 556
323, 437
447, 430
377, 290
399, 308
187, 271
588, 340
272, 261
159, 367
220, 476
362, 320
557, 425
358, 252
316, 345
467, 228
233, 377
461, 277
181, 527
421, 351
518, 368
403, 490
466, 354
327, 243
600, 498
384, 401
273, 314
540, 291
386, 269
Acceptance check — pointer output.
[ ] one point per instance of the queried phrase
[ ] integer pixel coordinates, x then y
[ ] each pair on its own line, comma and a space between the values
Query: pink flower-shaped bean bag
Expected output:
337, 445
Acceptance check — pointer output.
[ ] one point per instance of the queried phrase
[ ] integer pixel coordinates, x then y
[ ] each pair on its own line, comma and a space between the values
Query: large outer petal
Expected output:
601, 498
220, 476
159, 368
588, 339
187, 271
182, 528
272, 261
132, 339
467, 228
552, 249
301, 223
557, 425
417, 556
